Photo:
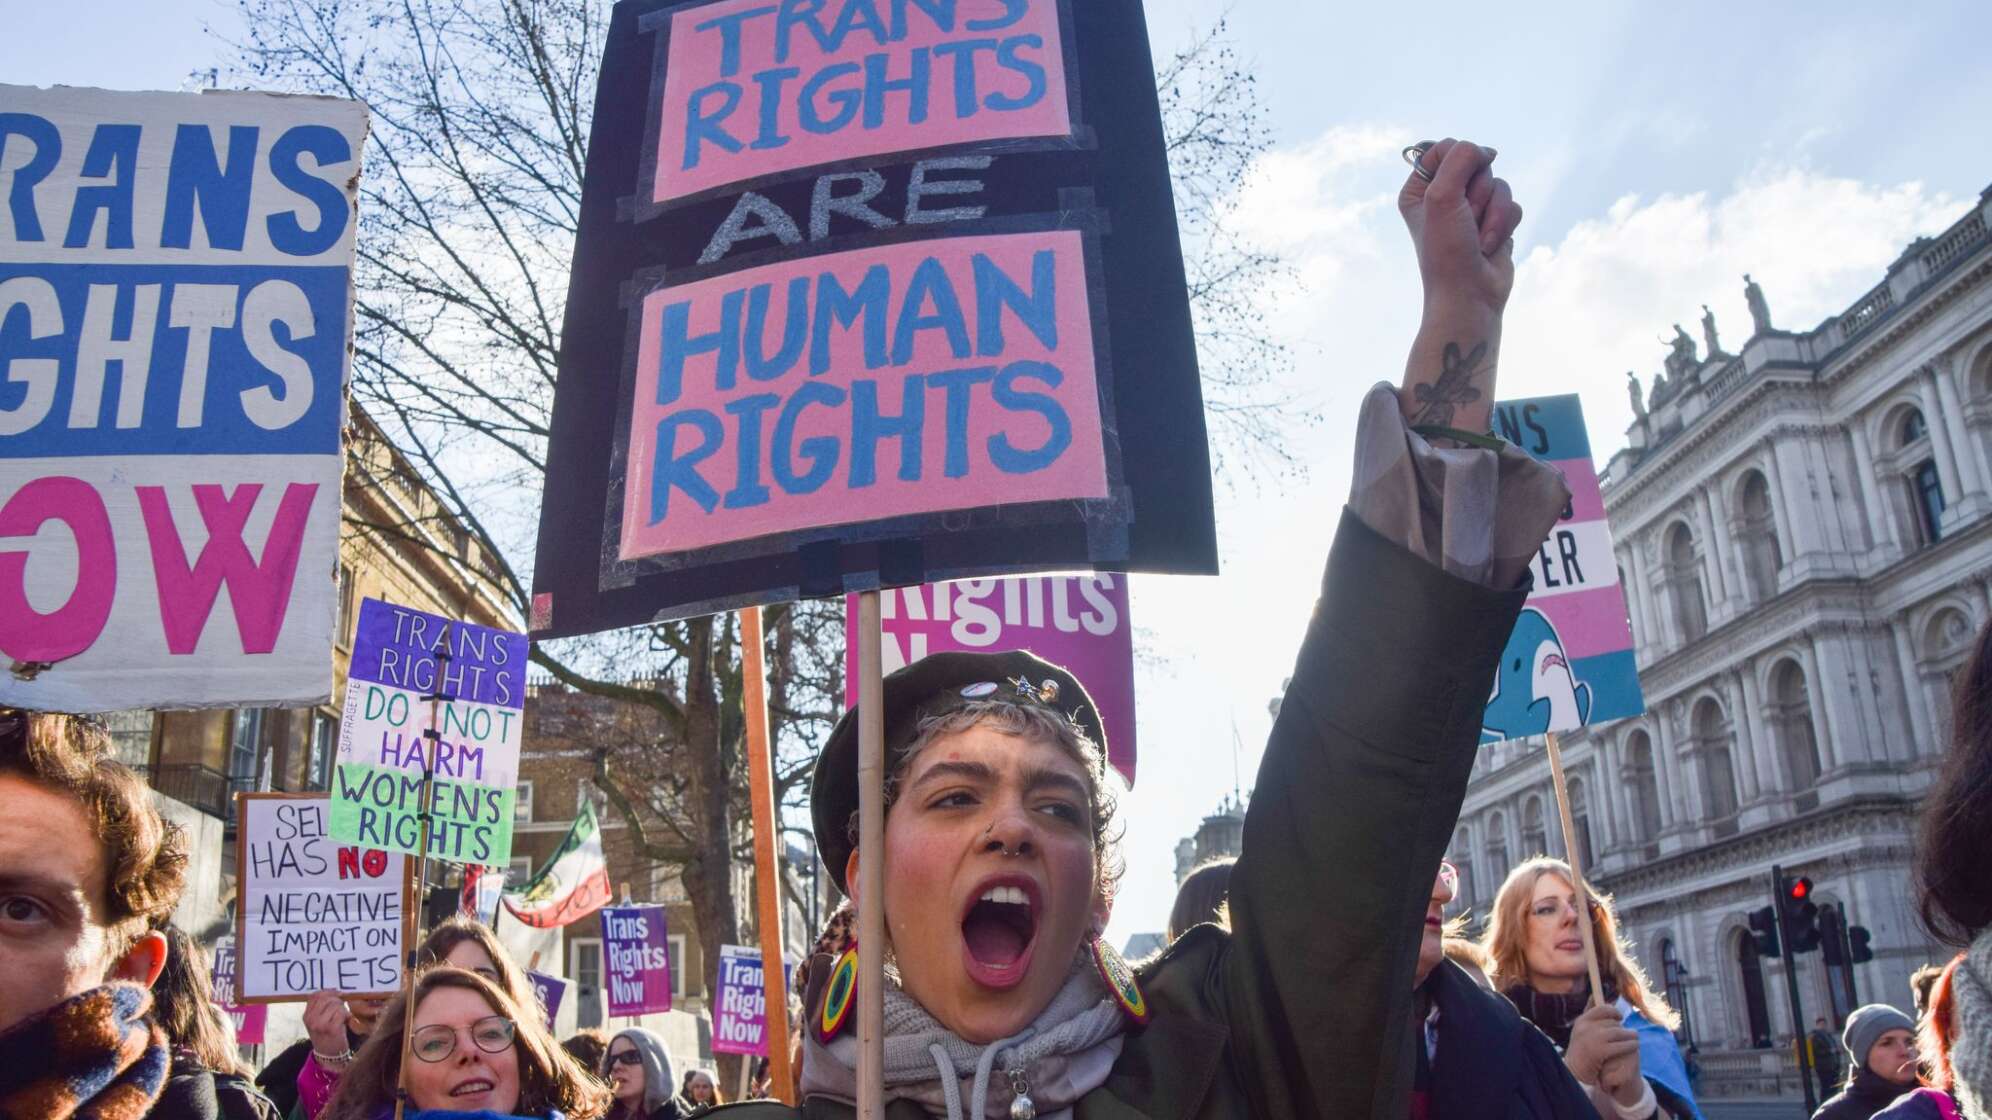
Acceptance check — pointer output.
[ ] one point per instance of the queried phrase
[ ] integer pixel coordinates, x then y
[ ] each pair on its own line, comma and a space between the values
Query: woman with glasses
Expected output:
457, 941
638, 1070
1477, 1055
1622, 1051
473, 1048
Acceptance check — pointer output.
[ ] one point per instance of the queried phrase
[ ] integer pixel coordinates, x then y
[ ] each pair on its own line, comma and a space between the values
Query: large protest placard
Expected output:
250, 1020
310, 912
175, 305
868, 297
636, 950
741, 1024
401, 657
1569, 661
1079, 622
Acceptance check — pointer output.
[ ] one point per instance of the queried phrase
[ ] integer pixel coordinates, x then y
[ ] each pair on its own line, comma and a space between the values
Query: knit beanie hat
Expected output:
1869, 1023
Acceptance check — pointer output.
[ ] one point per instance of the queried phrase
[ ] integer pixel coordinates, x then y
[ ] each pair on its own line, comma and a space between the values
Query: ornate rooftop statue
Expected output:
1760, 312
1708, 332
1632, 387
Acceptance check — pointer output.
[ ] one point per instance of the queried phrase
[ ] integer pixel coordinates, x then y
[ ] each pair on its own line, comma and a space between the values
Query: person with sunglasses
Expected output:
1622, 1049
638, 1070
1478, 1056
472, 1048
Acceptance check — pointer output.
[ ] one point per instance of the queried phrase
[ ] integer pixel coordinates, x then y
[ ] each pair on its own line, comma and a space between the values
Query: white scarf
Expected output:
1065, 1053
1971, 1041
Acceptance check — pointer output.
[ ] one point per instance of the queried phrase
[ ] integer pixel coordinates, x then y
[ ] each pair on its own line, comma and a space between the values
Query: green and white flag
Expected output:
572, 885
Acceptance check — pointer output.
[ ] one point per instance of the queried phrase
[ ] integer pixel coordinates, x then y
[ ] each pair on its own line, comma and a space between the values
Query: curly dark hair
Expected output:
145, 855
1954, 845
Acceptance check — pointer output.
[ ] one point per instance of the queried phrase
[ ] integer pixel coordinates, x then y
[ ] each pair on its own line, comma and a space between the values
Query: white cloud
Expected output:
1598, 300
1591, 301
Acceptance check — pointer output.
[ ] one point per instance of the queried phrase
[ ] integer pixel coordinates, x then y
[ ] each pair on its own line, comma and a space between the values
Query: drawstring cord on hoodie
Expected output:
951, 1080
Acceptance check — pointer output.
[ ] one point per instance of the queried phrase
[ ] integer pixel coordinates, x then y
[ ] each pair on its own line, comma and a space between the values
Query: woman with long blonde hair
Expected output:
1622, 1051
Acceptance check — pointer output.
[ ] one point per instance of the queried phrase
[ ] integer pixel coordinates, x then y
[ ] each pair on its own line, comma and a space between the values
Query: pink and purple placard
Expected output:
1080, 622
754, 89
251, 1020
1569, 661
910, 378
551, 990
740, 1024
636, 948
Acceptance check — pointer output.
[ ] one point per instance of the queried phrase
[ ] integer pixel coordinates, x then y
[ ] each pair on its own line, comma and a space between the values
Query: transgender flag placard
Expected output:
1569, 661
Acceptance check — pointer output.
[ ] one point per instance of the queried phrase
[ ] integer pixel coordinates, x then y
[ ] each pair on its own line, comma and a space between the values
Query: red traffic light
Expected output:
1800, 888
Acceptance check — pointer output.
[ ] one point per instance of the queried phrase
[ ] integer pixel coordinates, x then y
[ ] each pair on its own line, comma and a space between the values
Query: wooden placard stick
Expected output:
1576, 869
419, 887
871, 861
767, 867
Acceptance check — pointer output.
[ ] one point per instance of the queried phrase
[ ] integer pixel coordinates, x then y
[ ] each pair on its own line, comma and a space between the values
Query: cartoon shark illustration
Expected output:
1535, 689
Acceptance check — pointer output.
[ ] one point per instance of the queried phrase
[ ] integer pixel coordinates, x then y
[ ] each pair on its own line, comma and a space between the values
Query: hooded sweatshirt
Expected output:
659, 1079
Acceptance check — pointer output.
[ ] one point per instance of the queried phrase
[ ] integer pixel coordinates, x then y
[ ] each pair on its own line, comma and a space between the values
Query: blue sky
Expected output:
1659, 152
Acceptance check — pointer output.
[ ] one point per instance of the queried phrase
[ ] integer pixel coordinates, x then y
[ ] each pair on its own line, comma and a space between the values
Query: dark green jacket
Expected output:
1304, 1008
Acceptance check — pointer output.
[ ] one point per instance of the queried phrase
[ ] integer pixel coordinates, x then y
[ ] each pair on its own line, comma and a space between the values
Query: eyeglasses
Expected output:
625, 1058
1449, 875
437, 1041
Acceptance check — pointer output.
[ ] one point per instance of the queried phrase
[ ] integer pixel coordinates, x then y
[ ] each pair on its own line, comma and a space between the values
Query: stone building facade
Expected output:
1804, 529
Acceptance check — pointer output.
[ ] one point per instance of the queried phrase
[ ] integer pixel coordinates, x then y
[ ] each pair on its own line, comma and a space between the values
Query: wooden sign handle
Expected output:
767, 868
871, 861
1576, 870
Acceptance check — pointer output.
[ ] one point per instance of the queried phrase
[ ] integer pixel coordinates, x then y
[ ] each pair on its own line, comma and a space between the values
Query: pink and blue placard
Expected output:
637, 946
869, 295
1569, 661
1079, 622
410, 670
741, 1024
175, 310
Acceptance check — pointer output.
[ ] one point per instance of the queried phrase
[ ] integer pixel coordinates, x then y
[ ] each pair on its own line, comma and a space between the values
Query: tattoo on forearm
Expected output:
1454, 387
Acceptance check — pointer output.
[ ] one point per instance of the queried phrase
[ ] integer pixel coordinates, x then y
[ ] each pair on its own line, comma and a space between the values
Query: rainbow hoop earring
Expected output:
839, 996
1120, 981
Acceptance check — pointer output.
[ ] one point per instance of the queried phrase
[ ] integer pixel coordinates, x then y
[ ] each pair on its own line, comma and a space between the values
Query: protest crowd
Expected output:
965, 804
1291, 986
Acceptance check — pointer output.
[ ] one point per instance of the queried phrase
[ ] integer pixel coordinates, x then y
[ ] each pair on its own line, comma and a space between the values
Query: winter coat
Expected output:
1924, 1105
660, 1078
194, 1092
1492, 1063
1304, 1007
1867, 1094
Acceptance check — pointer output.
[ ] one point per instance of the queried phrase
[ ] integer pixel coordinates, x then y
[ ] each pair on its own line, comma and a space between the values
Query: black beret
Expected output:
932, 686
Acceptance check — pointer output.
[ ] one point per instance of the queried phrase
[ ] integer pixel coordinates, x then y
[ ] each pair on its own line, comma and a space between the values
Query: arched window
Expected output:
1684, 583
1791, 719
1718, 768
1674, 980
1925, 486
1580, 821
1461, 857
1758, 530
1947, 640
1645, 787
1497, 849
1535, 841
1756, 1009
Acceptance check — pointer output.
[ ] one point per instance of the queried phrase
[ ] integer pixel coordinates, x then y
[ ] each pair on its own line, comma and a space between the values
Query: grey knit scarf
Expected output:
1065, 1053
1971, 1042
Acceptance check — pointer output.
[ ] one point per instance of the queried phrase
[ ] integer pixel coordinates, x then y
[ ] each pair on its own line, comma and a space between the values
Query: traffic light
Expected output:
1801, 914
1764, 930
1857, 938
